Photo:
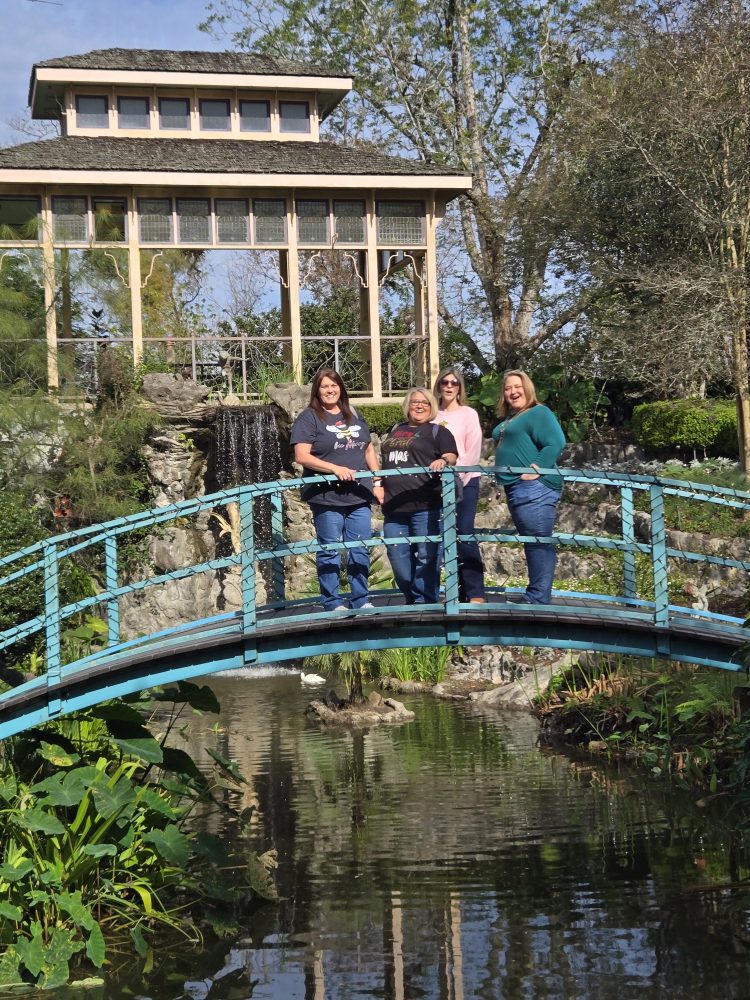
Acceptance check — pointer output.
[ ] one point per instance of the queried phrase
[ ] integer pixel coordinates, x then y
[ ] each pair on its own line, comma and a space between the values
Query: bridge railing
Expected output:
637, 530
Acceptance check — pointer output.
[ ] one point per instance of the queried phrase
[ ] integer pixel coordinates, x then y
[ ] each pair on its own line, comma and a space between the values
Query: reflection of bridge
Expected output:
630, 622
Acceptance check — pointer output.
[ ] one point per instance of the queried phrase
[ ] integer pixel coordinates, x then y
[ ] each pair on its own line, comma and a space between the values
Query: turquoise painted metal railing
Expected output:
286, 626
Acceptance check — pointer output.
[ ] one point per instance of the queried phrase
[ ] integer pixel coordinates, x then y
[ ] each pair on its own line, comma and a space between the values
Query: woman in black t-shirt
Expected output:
412, 503
330, 437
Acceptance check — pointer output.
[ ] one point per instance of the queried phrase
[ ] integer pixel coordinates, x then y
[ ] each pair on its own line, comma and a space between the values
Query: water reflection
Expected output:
452, 859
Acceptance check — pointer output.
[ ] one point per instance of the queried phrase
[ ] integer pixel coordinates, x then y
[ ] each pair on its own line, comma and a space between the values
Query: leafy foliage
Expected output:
709, 425
95, 841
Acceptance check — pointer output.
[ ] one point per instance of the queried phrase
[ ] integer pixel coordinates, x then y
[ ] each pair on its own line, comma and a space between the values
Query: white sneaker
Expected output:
367, 604
341, 607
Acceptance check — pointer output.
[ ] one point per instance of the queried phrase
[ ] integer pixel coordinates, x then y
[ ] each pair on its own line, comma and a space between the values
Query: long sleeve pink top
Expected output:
463, 423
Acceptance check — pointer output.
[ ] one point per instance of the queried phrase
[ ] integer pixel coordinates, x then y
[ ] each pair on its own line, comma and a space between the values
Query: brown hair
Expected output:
461, 385
503, 410
315, 404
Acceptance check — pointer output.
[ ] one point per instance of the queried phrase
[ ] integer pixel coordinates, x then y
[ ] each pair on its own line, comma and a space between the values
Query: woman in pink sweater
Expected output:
463, 423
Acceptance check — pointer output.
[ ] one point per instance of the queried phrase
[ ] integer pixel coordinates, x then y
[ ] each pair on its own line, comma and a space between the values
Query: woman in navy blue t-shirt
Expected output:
330, 437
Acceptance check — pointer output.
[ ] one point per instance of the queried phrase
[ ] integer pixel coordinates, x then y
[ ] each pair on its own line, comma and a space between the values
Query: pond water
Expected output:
452, 858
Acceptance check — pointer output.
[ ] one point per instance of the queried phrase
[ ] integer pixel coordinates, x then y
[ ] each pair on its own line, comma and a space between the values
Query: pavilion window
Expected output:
155, 220
400, 223
295, 116
174, 113
270, 220
349, 216
312, 221
19, 219
110, 220
194, 220
134, 112
92, 112
255, 116
232, 220
71, 219
214, 115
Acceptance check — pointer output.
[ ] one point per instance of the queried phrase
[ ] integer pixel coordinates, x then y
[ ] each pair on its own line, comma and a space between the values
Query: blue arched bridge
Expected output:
639, 618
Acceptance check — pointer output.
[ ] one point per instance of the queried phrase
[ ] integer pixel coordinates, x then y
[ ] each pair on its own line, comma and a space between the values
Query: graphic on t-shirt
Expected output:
344, 431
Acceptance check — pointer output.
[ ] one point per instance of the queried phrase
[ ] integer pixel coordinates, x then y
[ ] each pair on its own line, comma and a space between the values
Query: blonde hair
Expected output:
461, 398
427, 395
503, 410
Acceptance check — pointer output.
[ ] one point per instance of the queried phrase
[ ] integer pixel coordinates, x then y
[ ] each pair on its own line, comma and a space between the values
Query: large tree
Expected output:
666, 173
477, 83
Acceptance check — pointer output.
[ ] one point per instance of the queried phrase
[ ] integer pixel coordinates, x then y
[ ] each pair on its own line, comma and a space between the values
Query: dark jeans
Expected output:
533, 507
470, 565
342, 524
415, 565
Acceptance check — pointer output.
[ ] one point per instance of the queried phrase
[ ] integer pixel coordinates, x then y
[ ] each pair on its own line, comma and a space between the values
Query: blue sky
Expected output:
32, 31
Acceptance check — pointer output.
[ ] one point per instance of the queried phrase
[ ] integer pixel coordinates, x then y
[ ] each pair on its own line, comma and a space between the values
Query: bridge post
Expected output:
450, 549
52, 623
247, 565
659, 562
627, 509
277, 538
110, 582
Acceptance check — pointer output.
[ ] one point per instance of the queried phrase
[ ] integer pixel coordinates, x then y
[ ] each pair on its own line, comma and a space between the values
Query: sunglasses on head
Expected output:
449, 381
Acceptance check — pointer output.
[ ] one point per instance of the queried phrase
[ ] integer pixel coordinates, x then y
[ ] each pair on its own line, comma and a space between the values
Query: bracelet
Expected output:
377, 482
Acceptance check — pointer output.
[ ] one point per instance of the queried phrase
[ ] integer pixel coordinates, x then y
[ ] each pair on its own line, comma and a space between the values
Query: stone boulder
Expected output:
177, 398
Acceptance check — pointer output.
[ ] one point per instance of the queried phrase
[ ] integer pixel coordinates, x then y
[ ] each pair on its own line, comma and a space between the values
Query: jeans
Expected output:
533, 507
415, 566
470, 565
342, 524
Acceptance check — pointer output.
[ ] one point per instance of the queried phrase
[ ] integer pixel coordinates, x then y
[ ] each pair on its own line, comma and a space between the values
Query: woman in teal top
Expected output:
529, 436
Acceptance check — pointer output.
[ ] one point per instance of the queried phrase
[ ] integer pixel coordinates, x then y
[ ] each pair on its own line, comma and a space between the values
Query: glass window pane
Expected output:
232, 220
350, 221
295, 116
155, 220
109, 220
215, 115
194, 220
174, 112
400, 223
270, 220
71, 220
312, 221
91, 112
133, 112
255, 116
19, 219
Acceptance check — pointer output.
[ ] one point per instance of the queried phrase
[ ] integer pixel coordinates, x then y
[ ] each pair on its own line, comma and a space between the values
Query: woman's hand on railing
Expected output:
438, 465
341, 472
531, 475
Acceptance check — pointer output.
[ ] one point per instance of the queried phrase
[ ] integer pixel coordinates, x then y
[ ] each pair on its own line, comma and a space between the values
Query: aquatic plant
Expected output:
96, 842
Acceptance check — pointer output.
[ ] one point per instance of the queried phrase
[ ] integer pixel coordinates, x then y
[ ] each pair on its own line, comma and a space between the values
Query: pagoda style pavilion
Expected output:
220, 150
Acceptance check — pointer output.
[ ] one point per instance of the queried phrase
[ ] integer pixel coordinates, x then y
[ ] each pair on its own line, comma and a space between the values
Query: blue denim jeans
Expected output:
533, 507
342, 524
470, 565
415, 567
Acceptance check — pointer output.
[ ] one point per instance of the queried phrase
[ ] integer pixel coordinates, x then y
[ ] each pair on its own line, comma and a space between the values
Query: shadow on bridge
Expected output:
284, 629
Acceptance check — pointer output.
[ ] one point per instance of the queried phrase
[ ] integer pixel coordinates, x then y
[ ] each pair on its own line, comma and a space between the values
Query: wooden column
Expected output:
291, 325
48, 279
417, 279
373, 300
431, 222
134, 275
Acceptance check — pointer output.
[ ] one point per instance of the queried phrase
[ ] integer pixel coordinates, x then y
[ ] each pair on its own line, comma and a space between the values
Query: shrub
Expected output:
706, 424
380, 419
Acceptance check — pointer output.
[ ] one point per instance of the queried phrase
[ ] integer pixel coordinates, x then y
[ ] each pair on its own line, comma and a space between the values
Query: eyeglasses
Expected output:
449, 381
421, 406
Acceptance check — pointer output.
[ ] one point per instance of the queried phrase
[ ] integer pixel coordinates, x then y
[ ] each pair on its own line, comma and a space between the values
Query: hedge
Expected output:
380, 419
709, 425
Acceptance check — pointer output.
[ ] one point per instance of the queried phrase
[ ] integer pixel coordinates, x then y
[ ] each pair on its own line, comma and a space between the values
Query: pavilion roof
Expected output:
172, 61
211, 156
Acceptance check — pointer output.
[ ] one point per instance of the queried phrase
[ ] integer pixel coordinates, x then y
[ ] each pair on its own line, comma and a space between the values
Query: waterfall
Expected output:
248, 451
247, 446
